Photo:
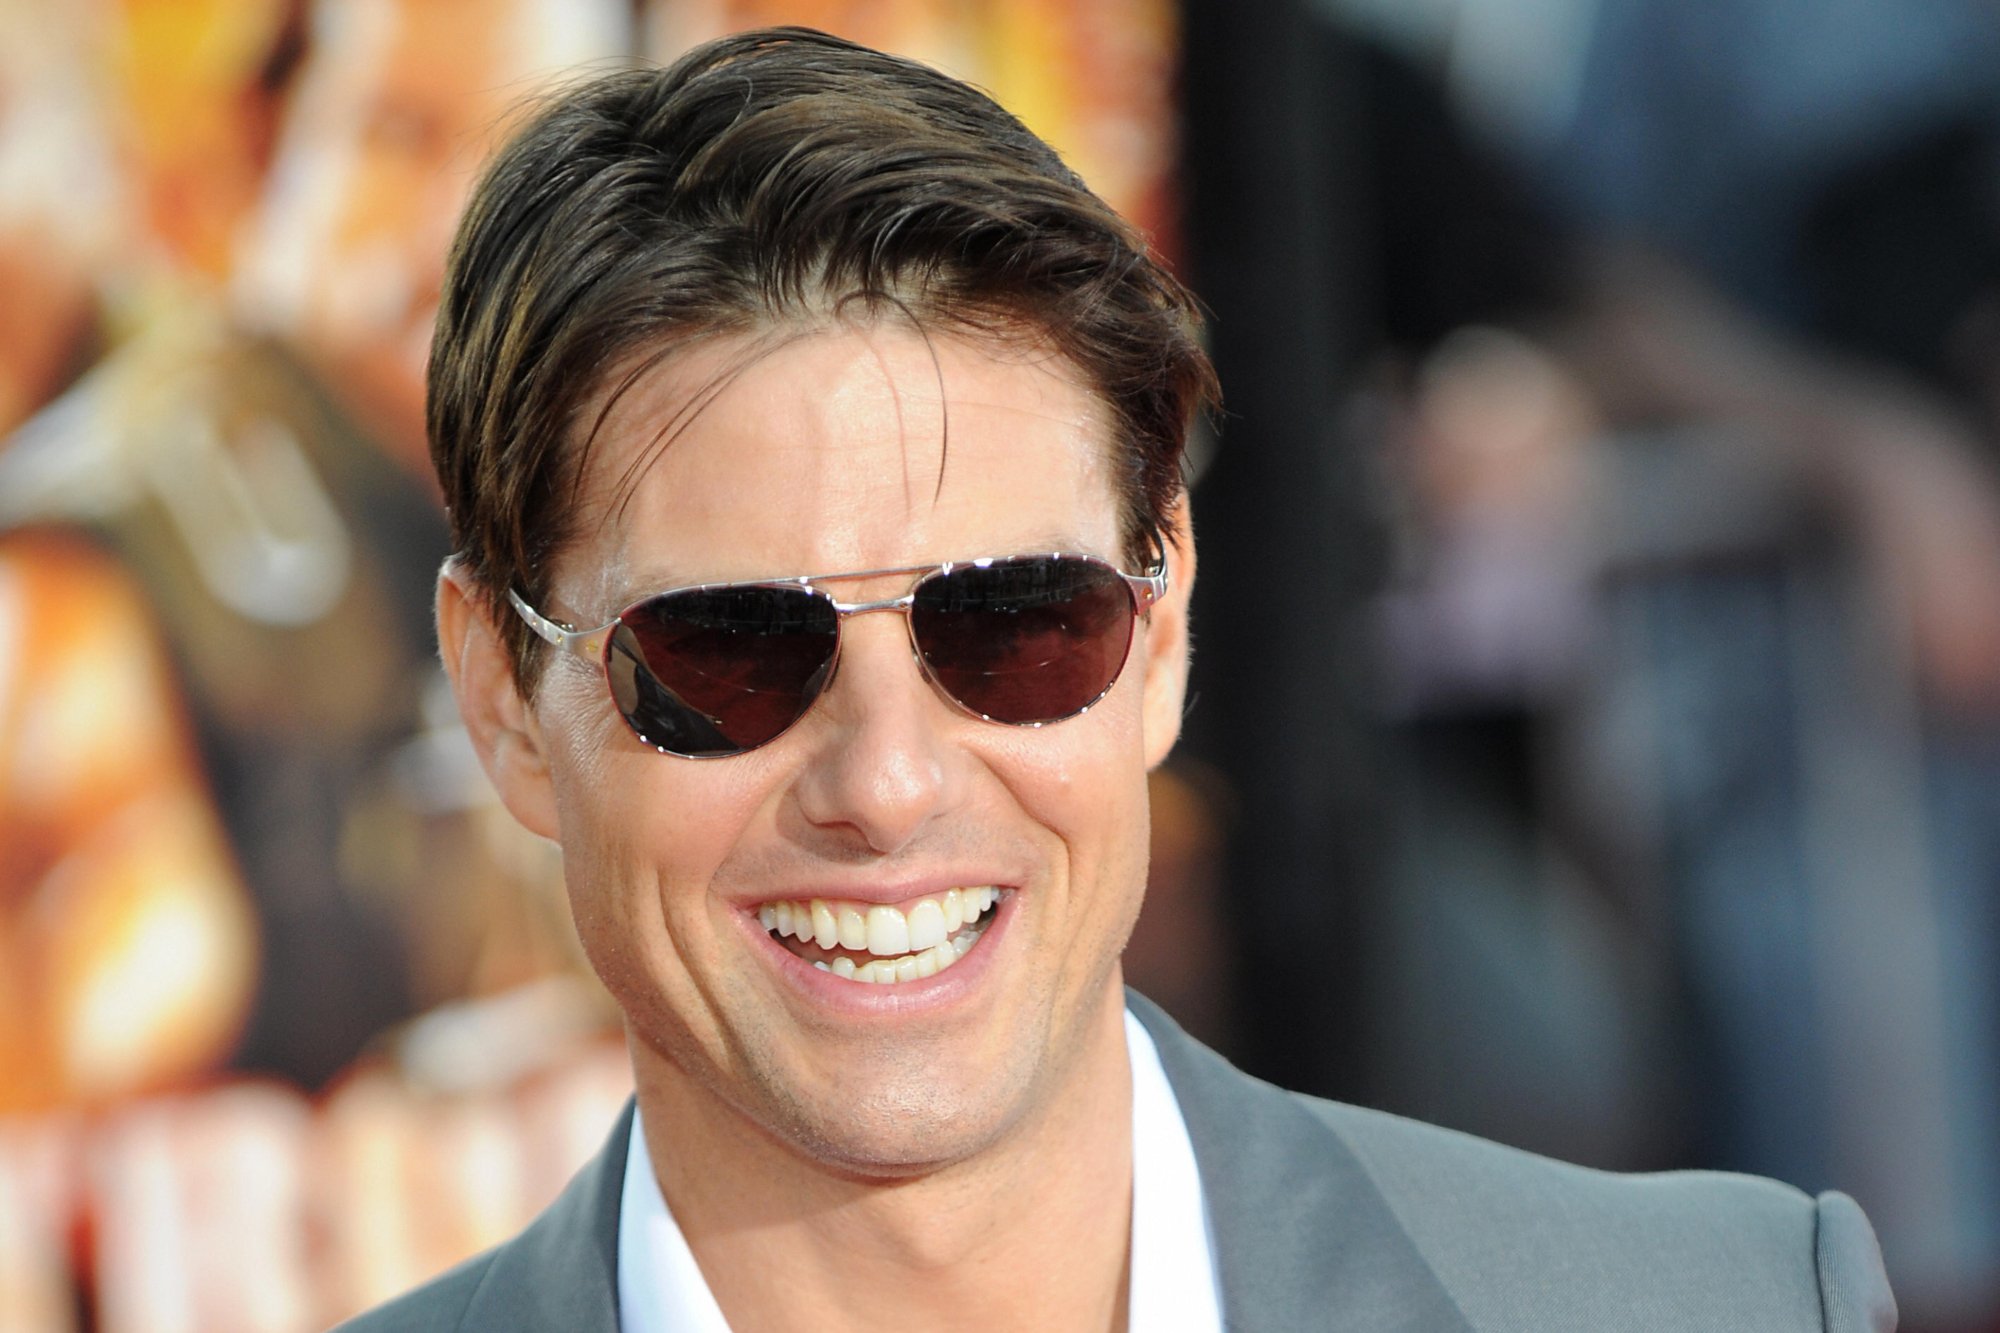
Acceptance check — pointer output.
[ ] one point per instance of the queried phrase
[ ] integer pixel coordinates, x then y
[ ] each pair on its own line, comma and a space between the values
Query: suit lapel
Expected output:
1303, 1239
562, 1272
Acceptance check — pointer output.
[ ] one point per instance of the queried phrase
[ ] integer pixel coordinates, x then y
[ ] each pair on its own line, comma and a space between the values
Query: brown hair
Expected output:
764, 179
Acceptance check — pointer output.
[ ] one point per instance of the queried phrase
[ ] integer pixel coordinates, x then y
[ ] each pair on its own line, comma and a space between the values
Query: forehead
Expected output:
847, 447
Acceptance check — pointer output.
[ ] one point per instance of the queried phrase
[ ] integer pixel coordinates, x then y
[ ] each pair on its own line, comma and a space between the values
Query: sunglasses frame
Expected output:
593, 645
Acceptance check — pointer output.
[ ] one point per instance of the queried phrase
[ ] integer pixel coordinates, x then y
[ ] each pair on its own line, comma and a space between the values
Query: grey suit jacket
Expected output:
1332, 1217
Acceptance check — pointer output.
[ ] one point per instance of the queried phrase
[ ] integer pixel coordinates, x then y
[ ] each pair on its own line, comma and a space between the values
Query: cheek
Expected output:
643, 837
1085, 781
636, 837
639, 856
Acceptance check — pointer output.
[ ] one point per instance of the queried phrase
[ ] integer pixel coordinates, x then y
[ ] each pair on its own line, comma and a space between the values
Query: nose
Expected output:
883, 766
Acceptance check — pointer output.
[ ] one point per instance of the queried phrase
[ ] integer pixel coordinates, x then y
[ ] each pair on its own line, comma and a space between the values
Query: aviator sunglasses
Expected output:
717, 669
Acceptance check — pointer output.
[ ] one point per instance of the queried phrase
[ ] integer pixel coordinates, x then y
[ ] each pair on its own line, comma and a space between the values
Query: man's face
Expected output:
832, 454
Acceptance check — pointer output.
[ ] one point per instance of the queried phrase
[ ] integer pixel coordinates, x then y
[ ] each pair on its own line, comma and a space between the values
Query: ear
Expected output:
1166, 640
503, 728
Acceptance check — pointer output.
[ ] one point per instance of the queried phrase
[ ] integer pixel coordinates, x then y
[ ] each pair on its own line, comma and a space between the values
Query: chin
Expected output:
898, 1133
893, 1110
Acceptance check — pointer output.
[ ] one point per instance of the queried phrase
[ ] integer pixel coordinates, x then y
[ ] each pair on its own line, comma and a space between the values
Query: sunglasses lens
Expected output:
1022, 641
706, 673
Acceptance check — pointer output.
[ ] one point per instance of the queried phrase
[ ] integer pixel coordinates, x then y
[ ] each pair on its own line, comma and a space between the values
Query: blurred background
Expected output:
1596, 731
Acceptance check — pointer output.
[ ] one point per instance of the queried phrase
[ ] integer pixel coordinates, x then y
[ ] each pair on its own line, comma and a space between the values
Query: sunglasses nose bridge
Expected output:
846, 610
904, 604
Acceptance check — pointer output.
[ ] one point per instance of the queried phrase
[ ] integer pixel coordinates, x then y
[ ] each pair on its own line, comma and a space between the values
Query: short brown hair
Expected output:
764, 179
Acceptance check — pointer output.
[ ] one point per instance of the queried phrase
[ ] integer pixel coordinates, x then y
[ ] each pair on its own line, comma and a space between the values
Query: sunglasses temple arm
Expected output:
587, 644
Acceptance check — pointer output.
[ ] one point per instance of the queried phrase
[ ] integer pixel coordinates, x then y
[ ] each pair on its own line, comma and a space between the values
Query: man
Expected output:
812, 443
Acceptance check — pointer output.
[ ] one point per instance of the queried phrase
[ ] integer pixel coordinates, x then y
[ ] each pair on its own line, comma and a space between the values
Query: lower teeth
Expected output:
909, 967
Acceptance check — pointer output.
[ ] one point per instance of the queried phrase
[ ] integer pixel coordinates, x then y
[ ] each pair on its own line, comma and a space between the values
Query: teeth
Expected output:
910, 967
853, 928
926, 926
909, 945
888, 931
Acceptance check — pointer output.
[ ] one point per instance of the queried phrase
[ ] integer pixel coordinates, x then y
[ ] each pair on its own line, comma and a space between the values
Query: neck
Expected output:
1032, 1231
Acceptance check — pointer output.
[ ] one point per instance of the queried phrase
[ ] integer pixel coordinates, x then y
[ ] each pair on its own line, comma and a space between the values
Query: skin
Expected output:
916, 1148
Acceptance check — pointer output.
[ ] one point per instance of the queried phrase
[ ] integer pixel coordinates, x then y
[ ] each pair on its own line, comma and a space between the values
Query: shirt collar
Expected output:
661, 1289
1174, 1282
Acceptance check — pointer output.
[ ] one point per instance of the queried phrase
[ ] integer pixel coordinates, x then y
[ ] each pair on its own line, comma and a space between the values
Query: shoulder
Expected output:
1316, 1206
1753, 1252
1419, 1167
438, 1305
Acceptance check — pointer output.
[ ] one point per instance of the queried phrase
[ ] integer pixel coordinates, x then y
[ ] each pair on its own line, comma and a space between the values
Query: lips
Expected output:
878, 943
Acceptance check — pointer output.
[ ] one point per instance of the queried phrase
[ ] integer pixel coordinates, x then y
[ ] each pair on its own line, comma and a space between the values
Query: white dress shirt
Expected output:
661, 1289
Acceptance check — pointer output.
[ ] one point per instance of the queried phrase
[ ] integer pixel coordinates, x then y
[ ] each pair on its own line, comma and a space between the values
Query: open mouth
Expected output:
879, 944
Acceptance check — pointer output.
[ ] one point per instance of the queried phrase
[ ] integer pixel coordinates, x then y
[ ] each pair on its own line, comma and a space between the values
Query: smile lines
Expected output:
900, 943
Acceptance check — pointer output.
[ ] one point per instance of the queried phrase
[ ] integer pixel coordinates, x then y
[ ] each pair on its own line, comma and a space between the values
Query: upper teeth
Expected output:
875, 927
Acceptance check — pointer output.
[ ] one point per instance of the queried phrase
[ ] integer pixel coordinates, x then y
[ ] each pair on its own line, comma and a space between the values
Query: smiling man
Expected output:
812, 441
